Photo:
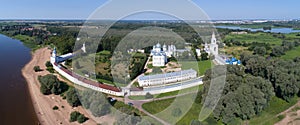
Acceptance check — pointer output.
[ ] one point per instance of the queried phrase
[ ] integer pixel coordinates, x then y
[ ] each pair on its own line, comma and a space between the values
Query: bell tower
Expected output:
53, 56
214, 48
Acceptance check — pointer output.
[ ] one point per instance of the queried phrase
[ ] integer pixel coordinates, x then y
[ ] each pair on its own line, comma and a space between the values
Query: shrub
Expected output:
81, 118
55, 108
77, 116
48, 64
148, 95
37, 68
73, 116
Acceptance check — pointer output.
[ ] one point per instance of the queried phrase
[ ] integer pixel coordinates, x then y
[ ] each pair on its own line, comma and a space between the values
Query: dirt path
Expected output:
43, 104
292, 115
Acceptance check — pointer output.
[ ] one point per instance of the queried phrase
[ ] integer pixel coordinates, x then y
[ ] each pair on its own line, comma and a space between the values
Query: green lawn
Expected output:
292, 53
121, 105
140, 97
254, 37
269, 115
192, 114
157, 106
200, 68
173, 93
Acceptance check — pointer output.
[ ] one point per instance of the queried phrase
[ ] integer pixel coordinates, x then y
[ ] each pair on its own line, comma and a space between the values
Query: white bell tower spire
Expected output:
53, 57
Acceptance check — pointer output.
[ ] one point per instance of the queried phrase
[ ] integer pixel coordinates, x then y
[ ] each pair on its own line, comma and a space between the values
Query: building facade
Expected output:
161, 79
159, 56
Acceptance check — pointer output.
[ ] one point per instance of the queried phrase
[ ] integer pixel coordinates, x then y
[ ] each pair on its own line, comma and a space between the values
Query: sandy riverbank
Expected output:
43, 104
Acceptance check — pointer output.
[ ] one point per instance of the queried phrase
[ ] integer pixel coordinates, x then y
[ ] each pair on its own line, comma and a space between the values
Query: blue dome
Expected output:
233, 59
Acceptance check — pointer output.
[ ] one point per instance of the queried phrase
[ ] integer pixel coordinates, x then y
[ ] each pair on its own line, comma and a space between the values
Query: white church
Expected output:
160, 54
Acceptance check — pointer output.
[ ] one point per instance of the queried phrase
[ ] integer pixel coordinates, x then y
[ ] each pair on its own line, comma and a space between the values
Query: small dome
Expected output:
158, 45
164, 46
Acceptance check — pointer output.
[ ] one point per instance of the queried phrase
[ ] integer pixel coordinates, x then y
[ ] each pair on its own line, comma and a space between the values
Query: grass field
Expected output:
254, 37
118, 105
292, 53
157, 106
292, 36
235, 50
200, 68
269, 115
27, 40
173, 93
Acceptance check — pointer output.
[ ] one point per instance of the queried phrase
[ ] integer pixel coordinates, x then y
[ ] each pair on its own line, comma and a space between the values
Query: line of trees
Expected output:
283, 74
243, 96
250, 87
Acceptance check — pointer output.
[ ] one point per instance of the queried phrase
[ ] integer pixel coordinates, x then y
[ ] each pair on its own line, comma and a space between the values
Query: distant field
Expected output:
292, 53
235, 50
292, 36
253, 26
254, 37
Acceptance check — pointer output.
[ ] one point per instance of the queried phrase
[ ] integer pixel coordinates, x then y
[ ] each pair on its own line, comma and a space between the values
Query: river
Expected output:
16, 107
273, 30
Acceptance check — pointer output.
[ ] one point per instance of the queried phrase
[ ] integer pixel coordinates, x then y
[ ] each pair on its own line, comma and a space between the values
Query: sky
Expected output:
215, 9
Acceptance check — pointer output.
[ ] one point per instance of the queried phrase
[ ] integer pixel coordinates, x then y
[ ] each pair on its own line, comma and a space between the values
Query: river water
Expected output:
16, 107
273, 30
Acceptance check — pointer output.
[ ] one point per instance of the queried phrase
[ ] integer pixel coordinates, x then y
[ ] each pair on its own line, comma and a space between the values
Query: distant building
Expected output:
160, 79
136, 50
239, 33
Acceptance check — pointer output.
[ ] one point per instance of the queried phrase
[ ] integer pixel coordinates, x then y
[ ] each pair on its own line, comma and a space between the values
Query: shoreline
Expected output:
43, 104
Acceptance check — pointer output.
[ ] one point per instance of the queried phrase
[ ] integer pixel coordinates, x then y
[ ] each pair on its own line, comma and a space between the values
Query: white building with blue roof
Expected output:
172, 77
233, 61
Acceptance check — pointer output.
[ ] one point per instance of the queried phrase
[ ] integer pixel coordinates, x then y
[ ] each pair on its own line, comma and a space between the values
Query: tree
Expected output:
256, 65
243, 95
204, 56
55, 108
37, 68
81, 118
73, 116
51, 85
148, 95
96, 102
260, 50
48, 64
277, 51
59, 88
72, 97
47, 82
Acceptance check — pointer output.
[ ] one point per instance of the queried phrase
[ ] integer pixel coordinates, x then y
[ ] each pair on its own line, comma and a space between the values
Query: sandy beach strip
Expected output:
43, 104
